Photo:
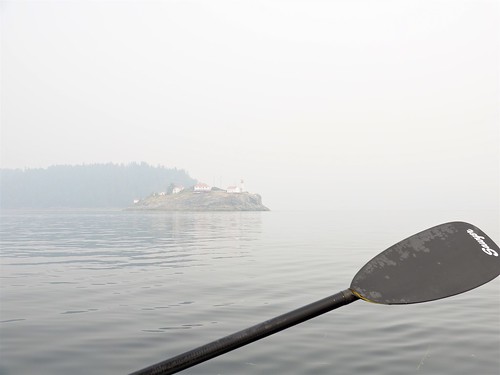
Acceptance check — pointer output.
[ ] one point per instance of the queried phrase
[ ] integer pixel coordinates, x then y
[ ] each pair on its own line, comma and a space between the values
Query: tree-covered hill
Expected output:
92, 186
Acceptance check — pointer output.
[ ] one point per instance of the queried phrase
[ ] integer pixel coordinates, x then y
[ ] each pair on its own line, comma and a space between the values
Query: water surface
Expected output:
110, 292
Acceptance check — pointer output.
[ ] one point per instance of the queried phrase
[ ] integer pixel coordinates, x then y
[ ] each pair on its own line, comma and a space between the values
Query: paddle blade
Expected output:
439, 262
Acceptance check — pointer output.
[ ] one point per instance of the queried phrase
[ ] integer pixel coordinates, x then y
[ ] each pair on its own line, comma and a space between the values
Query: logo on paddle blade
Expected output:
484, 246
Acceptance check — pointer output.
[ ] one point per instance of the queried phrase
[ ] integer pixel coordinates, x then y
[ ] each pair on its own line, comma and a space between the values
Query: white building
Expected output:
236, 189
233, 189
177, 189
202, 187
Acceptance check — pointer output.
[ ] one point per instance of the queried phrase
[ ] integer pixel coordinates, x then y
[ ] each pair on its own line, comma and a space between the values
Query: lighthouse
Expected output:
242, 186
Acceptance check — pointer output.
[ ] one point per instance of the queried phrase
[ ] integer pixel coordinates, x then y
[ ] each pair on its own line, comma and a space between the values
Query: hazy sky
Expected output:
316, 104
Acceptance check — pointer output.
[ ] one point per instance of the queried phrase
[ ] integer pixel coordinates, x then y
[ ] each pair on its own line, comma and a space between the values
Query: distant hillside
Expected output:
86, 186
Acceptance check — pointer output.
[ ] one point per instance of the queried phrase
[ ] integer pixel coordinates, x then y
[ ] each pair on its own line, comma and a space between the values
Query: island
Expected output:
201, 198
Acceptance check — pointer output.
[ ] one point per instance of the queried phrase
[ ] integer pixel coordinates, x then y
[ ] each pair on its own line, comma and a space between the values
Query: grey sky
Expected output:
316, 104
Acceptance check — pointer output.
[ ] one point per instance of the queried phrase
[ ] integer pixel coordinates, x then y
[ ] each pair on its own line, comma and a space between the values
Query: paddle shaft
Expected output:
249, 335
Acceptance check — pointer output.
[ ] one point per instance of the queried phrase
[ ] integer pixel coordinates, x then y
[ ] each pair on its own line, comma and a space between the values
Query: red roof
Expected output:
201, 184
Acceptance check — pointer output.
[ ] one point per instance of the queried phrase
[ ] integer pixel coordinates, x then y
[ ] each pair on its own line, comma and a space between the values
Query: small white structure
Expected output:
162, 193
177, 189
236, 189
136, 201
202, 187
233, 189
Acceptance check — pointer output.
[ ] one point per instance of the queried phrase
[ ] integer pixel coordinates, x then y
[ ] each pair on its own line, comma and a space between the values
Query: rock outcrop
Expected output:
202, 201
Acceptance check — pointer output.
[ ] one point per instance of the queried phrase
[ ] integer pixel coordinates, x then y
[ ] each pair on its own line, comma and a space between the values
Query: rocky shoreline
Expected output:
201, 201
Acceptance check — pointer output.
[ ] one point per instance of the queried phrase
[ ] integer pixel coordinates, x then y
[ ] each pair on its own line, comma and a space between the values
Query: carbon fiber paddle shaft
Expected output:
249, 335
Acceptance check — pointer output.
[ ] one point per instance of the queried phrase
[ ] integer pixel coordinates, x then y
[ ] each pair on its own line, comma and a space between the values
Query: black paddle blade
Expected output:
439, 262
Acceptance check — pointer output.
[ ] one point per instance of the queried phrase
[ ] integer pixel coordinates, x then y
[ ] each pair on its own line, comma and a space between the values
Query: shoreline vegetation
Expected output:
85, 186
119, 186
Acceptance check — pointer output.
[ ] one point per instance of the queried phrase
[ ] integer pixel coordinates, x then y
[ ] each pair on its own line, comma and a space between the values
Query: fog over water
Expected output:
358, 122
316, 105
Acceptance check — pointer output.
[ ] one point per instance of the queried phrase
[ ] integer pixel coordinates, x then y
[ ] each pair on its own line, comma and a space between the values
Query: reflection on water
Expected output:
119, 240
111, 292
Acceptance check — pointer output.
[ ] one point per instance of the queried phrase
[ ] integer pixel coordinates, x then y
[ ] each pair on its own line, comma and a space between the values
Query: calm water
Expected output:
110, 292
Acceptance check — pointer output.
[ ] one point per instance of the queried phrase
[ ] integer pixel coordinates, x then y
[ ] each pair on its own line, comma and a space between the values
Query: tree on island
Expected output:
86, 186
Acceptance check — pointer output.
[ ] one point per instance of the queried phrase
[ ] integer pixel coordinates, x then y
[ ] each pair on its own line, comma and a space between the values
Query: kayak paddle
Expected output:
439, 262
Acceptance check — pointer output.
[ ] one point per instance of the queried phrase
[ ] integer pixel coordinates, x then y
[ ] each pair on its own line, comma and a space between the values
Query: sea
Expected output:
112, 292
